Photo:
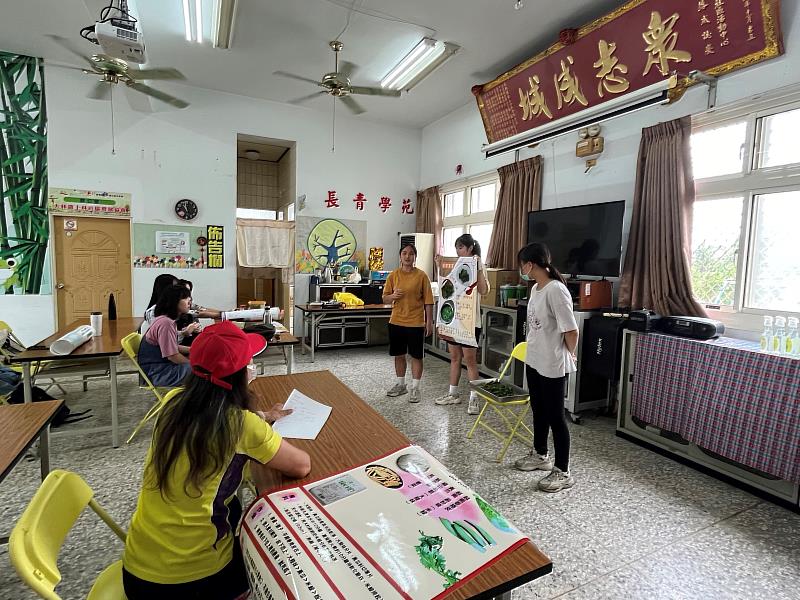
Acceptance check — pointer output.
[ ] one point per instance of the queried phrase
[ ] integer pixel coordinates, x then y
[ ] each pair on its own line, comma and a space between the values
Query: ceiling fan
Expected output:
337, 83
114, 70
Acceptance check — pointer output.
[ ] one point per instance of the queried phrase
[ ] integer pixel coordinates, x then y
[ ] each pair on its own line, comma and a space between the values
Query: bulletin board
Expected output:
320, 242
158, 245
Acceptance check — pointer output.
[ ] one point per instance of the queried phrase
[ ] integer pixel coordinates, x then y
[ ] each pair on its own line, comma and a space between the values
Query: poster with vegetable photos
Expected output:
323, 242
402, 526
458, 302
24, 224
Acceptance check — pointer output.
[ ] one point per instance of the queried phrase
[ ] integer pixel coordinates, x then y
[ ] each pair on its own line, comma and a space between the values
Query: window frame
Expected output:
468, 219
751, 182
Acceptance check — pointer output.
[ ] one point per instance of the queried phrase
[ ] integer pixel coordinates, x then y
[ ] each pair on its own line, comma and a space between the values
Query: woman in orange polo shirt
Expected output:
408, 289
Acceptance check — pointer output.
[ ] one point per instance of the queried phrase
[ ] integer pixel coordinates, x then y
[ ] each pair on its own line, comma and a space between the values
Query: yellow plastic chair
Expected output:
511, 413
130, 344
39, 534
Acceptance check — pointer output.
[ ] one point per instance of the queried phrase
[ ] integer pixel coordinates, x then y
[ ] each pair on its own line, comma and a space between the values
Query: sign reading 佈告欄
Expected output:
88, 203
214, 247
637, 45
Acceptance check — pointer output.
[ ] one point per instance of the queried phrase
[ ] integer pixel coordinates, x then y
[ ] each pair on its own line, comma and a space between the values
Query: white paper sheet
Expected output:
306, 421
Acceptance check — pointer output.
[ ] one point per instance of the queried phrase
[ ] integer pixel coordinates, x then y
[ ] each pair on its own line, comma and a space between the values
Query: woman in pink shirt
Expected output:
163, 360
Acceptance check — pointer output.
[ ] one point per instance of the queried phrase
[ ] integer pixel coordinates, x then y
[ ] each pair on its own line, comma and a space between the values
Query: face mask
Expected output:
524, 276
251, 372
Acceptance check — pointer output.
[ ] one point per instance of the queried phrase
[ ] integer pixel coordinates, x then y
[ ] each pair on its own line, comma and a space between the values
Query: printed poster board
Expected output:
458, 297
398, 527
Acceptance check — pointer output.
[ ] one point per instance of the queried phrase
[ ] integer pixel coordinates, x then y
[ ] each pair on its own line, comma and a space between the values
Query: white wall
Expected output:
191, 153
457, 138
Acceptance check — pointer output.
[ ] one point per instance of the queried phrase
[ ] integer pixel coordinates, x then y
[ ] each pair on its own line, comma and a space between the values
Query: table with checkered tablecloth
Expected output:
723, 395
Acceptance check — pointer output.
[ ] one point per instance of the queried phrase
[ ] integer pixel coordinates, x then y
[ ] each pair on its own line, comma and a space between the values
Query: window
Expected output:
256, 213
483, 198
746, 215
449, 237
468, 207
454, 204
482, 234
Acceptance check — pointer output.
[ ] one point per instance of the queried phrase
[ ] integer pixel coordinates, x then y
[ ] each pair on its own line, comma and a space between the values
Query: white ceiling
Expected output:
292, 35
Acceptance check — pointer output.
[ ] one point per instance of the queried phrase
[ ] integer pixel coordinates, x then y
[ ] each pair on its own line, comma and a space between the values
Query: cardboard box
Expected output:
498, 277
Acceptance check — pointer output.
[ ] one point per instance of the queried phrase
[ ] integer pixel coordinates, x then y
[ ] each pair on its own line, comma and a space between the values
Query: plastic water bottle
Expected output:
791, 346
766, 335
779, 337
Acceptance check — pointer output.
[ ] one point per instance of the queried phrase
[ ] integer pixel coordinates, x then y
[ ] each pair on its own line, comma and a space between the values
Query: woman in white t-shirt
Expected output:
466, 245
552, 341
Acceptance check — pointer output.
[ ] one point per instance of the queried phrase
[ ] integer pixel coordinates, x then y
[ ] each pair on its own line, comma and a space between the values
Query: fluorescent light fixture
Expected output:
198, 16
187, 21
423, 59
224, 18
658, 93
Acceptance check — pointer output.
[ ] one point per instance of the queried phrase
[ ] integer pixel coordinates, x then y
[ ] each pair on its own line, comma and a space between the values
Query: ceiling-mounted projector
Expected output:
124, 43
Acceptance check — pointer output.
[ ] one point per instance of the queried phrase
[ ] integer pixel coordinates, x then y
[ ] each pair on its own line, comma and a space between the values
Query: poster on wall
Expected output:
398, 527
172, 242
155, 245
458, 299
88, 203
320, 242
24, 224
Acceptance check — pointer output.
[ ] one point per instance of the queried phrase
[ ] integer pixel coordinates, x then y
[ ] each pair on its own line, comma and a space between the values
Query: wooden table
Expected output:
286, 342
314, 315
21, 425
106, 346
337, 449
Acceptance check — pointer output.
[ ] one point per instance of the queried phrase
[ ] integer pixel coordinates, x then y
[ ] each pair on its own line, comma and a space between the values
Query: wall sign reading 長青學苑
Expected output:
637, 45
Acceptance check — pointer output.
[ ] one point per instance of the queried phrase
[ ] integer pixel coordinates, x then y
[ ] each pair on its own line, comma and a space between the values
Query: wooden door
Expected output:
92, 262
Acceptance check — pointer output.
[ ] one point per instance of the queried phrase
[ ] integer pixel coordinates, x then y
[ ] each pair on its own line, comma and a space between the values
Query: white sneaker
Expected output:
398, 390
556, 481
448, 399
414, 396
534, 462
474, 406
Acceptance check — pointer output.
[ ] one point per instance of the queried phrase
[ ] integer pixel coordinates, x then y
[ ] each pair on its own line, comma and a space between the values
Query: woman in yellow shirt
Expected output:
181, 541
408, 289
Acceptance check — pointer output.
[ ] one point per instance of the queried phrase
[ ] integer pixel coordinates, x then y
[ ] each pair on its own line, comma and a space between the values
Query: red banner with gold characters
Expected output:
637, 45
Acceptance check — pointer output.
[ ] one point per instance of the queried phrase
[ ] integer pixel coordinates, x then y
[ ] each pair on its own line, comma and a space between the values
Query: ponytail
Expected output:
539, 254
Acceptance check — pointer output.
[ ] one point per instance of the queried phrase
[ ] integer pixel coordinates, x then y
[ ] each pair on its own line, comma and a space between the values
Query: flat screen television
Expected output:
583, 240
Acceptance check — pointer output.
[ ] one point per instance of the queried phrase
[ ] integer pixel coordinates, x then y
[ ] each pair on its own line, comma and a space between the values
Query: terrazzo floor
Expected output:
636, 524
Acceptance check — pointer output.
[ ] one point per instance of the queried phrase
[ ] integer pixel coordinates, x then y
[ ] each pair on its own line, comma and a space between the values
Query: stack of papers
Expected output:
306, 421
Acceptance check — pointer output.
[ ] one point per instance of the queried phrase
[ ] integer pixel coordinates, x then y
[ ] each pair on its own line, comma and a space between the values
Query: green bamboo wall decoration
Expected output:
24, 225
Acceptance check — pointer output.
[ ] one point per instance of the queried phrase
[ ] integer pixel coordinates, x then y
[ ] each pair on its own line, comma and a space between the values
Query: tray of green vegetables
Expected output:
499, 391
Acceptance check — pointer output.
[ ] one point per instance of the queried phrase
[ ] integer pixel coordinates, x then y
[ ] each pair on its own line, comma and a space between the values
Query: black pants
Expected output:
547, 401
230, 582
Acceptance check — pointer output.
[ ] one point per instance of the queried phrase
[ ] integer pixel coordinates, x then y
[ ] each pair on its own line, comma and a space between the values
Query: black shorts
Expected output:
477, 340
406, 340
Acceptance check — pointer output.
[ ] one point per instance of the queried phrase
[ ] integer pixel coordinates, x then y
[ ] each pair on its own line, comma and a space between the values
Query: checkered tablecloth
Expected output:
725, 397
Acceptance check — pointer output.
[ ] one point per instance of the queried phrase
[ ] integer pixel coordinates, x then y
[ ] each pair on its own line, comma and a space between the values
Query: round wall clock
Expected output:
186, 209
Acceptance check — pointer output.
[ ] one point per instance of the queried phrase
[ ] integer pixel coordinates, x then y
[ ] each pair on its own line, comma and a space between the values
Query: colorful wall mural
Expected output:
320, 242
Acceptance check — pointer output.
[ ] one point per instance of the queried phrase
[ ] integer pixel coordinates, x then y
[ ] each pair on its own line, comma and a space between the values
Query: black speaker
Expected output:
600, 353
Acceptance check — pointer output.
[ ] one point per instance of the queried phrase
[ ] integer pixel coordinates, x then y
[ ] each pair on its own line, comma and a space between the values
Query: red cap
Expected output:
223, 349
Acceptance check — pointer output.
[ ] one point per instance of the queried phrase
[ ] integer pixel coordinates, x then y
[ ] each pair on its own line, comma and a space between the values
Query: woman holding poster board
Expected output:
552, 340
466, 245
408, 290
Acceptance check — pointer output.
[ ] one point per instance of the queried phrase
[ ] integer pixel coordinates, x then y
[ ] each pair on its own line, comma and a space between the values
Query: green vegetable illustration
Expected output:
489, 539
430, 557
447, 289
448, 311
472, 539
463, 275
495, 518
